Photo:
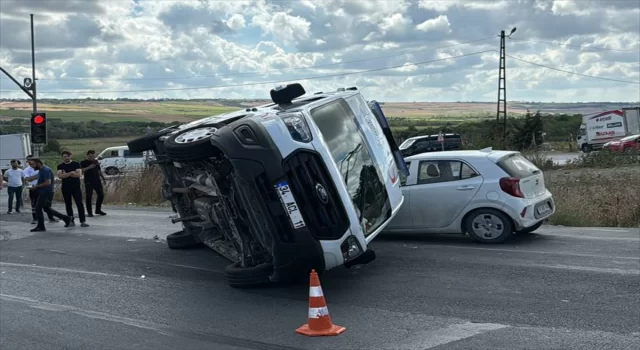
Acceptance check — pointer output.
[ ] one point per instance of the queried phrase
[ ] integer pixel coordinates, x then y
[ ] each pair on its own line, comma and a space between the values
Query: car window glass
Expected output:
443, 171
467, 172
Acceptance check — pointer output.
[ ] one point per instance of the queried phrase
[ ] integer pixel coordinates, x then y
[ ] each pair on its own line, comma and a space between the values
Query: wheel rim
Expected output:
195, 135
488, 226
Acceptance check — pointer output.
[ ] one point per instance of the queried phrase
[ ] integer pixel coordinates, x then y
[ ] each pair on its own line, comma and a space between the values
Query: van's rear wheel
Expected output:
147, 142
248, 277
191, 144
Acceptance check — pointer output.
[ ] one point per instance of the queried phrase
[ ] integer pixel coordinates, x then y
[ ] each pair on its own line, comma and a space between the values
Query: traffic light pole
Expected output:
29, 84
33, 68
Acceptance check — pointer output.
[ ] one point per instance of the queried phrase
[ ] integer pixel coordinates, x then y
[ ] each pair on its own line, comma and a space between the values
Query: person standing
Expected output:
31, 177
70, 171
15, 183
45, 187
93, 179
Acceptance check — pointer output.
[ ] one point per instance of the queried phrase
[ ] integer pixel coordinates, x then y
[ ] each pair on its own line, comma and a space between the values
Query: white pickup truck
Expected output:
305, 182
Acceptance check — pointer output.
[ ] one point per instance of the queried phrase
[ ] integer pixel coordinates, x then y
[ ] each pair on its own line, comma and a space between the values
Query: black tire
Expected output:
486, 237
530, 229
147, 142
586, 148
248, 277
111, 171
190, 151
182, 240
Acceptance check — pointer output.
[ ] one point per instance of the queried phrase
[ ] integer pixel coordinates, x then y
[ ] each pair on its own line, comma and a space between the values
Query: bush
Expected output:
596, 197
606, 159
138, 188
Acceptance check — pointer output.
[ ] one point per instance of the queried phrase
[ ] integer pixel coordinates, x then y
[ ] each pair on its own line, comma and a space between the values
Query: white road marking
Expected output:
62, 269
78, 311
590, 269
432, 338
536, 252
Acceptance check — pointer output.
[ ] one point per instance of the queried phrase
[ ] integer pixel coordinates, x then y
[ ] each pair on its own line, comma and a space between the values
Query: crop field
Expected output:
185, 110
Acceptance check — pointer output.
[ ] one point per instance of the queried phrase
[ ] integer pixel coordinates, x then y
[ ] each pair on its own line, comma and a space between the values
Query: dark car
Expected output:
430, 143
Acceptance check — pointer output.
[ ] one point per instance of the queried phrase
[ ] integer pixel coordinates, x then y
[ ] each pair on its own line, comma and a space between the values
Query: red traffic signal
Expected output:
39, 128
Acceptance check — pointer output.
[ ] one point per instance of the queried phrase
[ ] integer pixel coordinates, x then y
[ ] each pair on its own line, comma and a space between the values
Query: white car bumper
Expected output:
528, 212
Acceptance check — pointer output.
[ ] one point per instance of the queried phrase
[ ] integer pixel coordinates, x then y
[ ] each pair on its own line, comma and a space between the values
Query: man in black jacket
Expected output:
70, 171
93, 178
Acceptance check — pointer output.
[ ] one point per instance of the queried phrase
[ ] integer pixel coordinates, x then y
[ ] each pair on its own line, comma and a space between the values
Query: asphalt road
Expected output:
113, 286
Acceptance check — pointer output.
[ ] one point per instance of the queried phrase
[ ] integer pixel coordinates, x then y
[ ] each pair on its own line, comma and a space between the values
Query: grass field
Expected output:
169, 111
79, 147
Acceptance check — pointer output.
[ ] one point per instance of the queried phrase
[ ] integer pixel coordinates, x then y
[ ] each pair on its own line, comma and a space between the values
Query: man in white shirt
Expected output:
31, 177
14, 177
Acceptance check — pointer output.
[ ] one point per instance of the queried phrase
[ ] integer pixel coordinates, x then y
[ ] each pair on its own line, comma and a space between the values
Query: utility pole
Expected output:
502, 84
28, 85
33, 68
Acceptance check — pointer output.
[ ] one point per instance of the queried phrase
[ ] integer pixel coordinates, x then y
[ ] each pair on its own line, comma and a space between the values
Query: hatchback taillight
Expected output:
511, 186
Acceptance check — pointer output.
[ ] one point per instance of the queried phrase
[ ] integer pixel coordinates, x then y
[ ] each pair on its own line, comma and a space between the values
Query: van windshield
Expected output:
407, 143
352, 155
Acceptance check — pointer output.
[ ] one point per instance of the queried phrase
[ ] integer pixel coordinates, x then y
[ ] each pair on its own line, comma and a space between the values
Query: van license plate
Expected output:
290, 205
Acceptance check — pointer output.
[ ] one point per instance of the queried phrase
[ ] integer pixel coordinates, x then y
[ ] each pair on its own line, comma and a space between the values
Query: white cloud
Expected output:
146, 47
236, 21
438, 24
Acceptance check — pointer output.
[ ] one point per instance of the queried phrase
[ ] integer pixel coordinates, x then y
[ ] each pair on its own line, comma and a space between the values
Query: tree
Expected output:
528, 133
53, 146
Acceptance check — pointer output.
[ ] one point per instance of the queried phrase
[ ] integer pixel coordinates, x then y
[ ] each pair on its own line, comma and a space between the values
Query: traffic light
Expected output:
39, 128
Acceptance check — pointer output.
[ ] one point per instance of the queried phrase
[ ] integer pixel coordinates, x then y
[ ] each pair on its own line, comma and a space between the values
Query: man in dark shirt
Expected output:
70, 171
45, 187
92, 182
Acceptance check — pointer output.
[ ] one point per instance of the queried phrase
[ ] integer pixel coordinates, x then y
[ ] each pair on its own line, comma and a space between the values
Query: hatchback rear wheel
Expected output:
488, 226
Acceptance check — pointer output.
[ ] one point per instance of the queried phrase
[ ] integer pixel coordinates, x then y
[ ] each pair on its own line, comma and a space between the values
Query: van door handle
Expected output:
465, 188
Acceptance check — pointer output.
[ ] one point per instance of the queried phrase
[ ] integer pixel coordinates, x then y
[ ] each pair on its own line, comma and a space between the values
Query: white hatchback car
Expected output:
487, 194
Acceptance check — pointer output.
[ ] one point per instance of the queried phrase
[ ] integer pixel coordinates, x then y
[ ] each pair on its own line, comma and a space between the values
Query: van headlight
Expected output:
298, 128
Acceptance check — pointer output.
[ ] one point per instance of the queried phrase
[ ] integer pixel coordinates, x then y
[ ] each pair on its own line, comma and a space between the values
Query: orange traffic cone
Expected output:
319, 319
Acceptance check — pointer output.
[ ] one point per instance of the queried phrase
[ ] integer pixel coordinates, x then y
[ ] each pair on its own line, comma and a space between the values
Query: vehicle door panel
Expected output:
404, 218
436, 201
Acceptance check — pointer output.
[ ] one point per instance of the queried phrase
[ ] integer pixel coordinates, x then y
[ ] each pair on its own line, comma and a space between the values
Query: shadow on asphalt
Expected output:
457, 239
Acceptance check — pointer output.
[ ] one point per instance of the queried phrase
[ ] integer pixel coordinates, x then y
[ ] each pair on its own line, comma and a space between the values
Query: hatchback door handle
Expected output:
466, 187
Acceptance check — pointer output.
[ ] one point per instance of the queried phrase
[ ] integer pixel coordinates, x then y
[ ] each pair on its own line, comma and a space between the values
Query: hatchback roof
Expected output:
483, 153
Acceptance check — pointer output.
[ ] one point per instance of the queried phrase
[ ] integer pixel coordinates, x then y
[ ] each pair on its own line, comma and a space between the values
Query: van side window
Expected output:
110, 154
129, 154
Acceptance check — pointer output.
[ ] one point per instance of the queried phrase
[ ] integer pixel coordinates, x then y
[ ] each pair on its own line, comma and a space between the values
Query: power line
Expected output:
268, 71
270, 82
600, 48
575, 73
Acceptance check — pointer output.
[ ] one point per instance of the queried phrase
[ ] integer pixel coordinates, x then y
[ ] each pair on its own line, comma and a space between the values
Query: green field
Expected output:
79, 147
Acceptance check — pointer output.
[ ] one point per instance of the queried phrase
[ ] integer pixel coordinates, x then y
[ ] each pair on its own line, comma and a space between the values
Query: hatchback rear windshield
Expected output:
518, 166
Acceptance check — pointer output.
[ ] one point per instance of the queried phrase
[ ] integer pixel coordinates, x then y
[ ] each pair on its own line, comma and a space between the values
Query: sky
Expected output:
392, 50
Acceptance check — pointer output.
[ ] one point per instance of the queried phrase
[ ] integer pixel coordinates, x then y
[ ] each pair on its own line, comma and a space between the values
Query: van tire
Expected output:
111, 171
248, 277
195, 150
182, 240
147, 142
